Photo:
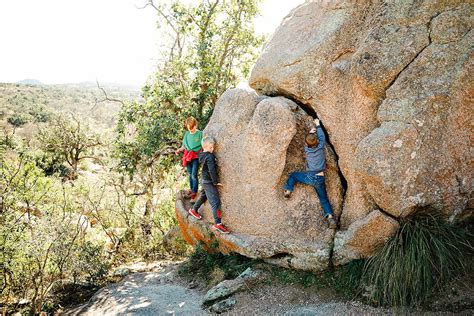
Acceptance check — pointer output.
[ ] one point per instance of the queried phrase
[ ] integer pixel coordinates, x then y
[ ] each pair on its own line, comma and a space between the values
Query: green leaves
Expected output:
210, 48
68, 139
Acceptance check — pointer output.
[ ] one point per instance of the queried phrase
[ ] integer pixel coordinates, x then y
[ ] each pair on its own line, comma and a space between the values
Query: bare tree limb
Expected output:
106, 97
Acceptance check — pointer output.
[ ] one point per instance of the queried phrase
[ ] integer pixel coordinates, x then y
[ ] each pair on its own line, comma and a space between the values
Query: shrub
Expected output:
425, 253
41, 114
19, 119
90, 263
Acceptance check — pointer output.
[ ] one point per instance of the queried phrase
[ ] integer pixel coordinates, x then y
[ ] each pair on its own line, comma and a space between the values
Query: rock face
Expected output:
257, 146
392, 83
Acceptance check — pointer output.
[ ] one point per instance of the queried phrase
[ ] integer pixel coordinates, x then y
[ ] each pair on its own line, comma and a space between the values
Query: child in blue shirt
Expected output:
314, 174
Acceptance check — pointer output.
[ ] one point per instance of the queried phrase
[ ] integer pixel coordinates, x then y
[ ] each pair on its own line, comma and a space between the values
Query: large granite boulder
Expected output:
392, 83
259, 141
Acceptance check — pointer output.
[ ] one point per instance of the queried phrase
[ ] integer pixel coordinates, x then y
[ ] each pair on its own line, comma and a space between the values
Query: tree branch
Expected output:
106, 97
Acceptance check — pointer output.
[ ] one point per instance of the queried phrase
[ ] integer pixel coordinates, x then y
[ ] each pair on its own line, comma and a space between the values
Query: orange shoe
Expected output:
221, 228
194, 214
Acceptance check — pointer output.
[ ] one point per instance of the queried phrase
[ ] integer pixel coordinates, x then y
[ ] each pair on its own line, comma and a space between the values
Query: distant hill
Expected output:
33, 82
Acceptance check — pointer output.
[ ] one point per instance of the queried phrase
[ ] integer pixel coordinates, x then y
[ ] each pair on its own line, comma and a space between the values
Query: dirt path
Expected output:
164, 293
145, 293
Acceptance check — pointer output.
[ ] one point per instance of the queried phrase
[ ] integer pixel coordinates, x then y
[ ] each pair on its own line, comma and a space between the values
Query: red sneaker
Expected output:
194, 214
193, 196
221, 228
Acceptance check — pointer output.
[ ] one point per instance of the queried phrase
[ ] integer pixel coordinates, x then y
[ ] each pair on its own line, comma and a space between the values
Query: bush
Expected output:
41, 114
19, 119
48, 162
90, 263
425, 253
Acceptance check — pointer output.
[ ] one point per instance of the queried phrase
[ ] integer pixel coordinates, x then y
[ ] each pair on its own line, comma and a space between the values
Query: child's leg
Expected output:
200, 201
213, 196
189, 169
194, 175
298, 177
320, 187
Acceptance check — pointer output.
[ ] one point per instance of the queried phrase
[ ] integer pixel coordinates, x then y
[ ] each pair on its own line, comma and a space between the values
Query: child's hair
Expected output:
190, 122
311, 140
208, 140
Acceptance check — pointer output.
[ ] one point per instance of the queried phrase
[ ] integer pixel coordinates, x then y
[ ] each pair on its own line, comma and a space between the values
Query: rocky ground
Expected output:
161, 291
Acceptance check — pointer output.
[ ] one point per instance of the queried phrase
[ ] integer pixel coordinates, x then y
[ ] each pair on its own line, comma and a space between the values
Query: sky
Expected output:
66, 41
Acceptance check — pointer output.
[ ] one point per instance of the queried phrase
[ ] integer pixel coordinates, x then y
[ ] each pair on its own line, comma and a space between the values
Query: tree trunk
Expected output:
147, 220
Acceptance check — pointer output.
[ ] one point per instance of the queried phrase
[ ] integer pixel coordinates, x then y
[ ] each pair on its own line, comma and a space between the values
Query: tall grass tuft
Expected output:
426, 252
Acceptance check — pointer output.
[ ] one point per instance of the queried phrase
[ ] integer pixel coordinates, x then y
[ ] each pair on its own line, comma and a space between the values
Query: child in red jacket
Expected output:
191, 147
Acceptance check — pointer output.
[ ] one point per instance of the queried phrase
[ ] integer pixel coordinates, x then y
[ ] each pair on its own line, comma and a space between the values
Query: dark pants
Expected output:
209, 192
193, 168
310, 177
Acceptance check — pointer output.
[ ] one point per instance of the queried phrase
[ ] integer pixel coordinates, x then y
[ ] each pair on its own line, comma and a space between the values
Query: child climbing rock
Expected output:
209, 182
191, 147
314, 174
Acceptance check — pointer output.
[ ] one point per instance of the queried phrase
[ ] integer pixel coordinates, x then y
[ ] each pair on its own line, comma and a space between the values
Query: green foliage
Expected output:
201, 263
50, 163
41, 114
426, 252
144, 236
290, 276
19, 119
142, 133
67, 140
211, 47
344, 280
42, 238
347, 279
89, 263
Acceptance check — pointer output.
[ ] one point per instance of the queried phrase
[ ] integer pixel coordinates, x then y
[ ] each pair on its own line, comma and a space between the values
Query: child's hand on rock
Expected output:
316, 121
219, 184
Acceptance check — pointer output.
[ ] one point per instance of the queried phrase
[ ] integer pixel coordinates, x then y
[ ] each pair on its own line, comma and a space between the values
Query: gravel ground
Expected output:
284, 299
